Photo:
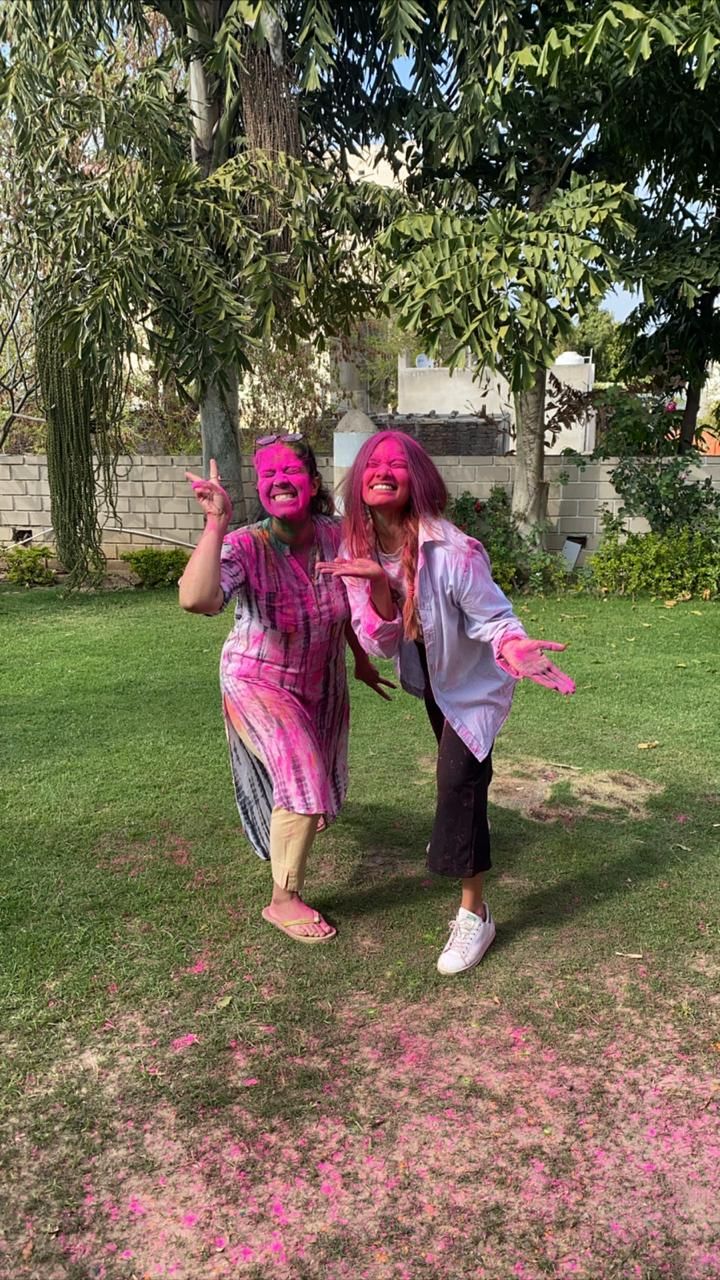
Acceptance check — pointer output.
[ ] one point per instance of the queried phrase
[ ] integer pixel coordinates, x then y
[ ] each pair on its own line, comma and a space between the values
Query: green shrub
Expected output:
27, 566
639, 435
157, 566
686, 562
518, 563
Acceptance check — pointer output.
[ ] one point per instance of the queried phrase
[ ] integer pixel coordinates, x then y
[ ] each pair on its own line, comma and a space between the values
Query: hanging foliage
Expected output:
83, 407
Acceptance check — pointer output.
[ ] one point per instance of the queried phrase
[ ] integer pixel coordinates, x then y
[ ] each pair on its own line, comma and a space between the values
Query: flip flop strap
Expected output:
291, 924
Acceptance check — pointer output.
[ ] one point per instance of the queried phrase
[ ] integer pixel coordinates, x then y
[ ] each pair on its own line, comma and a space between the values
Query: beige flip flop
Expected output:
288, 927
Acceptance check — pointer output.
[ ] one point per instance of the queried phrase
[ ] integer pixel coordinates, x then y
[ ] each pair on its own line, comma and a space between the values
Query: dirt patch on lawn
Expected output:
550, 792
430, 1133
556, 793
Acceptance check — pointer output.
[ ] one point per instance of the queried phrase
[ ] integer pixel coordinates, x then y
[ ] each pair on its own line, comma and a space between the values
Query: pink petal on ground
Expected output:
184, 1042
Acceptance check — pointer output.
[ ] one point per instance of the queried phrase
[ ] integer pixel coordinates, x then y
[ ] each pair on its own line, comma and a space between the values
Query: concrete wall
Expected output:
154, 497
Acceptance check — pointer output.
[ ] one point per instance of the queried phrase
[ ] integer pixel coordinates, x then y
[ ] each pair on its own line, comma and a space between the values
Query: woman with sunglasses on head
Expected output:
282, 670
421, 591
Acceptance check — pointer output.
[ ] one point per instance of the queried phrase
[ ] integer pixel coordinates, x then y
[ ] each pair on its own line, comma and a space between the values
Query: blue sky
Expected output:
619, 302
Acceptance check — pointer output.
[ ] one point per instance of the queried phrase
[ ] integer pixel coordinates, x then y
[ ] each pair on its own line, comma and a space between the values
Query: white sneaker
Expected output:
469, 939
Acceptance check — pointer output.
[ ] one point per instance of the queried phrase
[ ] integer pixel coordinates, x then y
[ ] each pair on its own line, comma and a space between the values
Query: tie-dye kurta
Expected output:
282, 675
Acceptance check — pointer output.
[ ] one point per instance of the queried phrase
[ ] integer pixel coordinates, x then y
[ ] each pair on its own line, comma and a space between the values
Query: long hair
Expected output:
428, 499
322, 503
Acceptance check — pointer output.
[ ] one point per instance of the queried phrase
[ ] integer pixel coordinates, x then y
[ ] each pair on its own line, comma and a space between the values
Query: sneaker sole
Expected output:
455, 973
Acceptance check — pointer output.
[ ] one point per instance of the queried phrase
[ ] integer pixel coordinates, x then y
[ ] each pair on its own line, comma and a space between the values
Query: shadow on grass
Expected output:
588, 865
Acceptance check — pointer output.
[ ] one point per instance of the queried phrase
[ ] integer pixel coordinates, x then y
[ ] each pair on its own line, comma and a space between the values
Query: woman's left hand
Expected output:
369, 569
526, 659
368, 674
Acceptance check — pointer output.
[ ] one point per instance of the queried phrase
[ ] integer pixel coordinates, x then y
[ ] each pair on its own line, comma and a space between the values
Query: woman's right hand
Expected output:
214, 500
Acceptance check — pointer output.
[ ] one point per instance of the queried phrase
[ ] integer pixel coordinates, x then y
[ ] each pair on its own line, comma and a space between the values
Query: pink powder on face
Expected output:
283, 482
386, 476
428, 494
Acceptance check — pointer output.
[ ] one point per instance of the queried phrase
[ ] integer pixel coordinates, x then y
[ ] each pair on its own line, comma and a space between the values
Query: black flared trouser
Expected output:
460, 840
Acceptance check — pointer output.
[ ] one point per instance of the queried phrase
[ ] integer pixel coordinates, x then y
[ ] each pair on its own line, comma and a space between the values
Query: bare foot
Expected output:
294, 909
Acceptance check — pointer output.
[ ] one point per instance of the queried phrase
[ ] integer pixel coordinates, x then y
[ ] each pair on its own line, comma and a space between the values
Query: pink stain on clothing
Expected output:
283, 678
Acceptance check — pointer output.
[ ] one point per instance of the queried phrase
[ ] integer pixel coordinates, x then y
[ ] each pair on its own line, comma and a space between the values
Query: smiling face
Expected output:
284, 485
386, 478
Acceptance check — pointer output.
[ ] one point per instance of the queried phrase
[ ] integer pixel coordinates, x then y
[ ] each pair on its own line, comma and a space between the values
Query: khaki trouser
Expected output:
291, 835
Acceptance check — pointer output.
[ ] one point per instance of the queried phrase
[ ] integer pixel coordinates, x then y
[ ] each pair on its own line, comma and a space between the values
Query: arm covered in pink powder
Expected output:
489, 616
376, 620
199, 588
379, 636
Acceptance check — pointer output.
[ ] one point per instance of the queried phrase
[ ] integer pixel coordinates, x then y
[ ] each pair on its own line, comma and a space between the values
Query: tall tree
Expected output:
129, 240
663, 135
675, 254
516, 230
598, 332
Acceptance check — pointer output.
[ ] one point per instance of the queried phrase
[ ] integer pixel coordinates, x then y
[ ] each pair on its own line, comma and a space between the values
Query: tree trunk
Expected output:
219, 426
271, 121
530, 490
705, 312
688, 426
219, 402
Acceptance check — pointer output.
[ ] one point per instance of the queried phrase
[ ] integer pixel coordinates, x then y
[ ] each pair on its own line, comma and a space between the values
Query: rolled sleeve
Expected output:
232, 569
488, 614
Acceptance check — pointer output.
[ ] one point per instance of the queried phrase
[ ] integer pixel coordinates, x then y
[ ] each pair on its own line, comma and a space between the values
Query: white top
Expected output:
465, 617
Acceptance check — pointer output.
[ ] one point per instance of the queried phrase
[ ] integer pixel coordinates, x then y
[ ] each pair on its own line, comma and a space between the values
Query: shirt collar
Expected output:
277, 543
432, 529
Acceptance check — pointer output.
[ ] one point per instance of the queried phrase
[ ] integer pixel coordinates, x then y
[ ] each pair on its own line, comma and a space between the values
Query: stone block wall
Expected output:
156, 508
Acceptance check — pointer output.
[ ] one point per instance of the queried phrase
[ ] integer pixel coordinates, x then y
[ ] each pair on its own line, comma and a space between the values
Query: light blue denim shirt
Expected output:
464, 617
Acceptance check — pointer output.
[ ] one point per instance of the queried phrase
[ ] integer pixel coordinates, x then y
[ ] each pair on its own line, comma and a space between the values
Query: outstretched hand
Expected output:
214, 500
525, 659
368, 674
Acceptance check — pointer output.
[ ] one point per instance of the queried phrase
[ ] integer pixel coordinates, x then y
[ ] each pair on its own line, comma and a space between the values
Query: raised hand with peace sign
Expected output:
214, 500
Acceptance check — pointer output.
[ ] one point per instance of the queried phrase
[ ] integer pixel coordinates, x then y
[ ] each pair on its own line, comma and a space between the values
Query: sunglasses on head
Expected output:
293, 438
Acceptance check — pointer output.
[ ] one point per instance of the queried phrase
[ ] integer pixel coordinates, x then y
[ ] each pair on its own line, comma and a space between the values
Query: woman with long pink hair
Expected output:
421, 592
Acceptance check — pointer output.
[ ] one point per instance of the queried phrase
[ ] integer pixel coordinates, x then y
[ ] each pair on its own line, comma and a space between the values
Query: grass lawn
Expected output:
187, 1093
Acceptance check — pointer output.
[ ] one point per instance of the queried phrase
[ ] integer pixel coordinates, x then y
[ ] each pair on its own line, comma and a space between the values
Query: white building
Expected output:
424, 387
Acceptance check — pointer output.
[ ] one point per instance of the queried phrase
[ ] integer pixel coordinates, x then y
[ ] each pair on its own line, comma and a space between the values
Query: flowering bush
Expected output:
518, 562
